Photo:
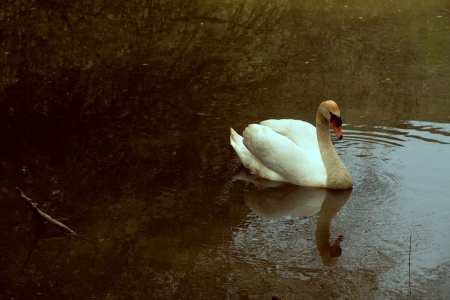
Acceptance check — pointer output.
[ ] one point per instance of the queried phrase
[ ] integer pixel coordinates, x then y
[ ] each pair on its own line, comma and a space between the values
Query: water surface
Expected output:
115, 119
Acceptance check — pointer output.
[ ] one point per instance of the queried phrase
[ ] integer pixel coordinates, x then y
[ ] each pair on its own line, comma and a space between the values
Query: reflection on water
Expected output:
288, 200
115, 116
296, 201
334, 200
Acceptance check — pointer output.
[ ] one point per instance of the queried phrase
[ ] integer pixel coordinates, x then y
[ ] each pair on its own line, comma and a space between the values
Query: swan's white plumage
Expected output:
295, 151
283, 150
249, 160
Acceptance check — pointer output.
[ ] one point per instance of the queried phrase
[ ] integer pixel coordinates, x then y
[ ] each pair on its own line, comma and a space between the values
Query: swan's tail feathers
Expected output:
237, 142
235, 138
248, 160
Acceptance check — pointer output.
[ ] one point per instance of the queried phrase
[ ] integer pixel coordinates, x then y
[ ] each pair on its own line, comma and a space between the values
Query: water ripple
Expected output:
355, 135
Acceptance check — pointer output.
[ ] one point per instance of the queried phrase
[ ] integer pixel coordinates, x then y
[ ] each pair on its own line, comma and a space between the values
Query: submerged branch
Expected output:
40, 236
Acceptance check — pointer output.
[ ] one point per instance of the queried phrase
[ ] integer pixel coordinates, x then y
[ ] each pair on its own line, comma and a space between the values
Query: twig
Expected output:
409, 265
42, 217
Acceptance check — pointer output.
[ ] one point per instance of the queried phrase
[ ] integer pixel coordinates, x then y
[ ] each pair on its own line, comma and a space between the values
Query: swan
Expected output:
295, 151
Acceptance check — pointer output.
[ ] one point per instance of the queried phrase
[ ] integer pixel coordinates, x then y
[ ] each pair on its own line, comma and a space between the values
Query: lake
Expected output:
115, 118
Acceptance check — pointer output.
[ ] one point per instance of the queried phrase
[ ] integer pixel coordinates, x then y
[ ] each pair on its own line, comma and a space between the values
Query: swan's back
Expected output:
301, 133
291, 150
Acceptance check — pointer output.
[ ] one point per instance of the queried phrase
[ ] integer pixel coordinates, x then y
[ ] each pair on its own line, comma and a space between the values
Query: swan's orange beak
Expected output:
337, 130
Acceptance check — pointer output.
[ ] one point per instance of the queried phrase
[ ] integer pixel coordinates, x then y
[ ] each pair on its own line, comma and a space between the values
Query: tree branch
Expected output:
42, 217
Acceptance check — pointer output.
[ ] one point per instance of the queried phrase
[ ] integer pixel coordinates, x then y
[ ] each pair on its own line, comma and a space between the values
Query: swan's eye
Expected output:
338, 121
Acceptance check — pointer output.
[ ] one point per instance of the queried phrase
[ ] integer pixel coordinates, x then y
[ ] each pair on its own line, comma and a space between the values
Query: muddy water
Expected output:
124, 137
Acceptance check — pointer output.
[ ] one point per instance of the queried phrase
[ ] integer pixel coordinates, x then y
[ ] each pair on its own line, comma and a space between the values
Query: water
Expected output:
118, 125
393, 222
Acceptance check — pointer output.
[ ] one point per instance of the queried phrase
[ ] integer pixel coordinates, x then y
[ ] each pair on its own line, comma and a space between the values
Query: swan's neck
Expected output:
338, 176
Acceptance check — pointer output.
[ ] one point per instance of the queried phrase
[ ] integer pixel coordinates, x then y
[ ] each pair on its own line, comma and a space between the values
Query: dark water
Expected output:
115, 118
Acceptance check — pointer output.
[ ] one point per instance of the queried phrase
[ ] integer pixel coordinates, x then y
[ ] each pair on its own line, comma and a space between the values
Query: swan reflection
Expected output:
333, 202
275, 200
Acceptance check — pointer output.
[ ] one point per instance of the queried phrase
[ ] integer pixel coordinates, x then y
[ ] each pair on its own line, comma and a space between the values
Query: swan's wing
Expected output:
250, 161
301, 133
298, 165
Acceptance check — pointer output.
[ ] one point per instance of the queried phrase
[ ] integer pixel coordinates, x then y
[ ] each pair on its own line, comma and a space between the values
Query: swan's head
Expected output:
330, 111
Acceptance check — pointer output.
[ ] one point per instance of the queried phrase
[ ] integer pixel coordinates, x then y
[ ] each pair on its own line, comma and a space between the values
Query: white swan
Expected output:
294, 151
